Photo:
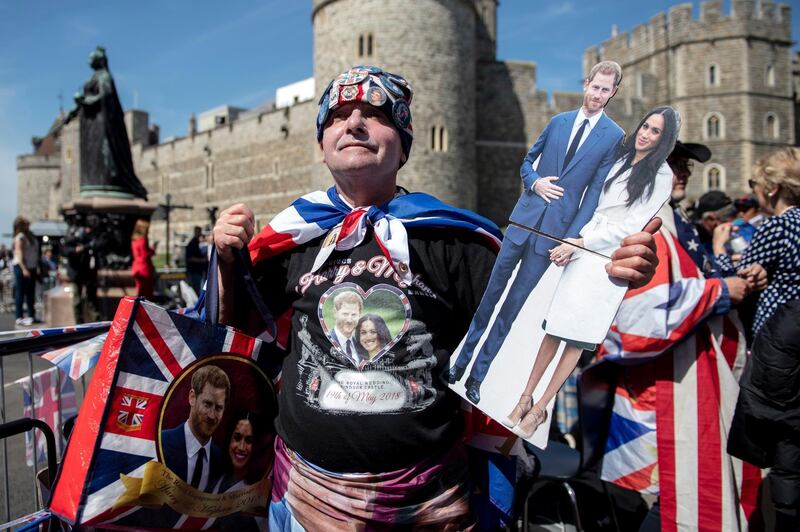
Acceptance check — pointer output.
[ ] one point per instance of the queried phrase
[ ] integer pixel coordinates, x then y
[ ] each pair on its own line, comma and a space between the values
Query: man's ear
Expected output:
323, 153
192, 397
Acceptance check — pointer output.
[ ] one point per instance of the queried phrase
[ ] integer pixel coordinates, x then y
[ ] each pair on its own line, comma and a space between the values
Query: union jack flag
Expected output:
316, 213
672, 412
157, 346
75, 360
52, 400
131, 412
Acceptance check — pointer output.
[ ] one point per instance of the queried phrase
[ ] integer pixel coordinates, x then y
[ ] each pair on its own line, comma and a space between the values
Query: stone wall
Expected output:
37, 175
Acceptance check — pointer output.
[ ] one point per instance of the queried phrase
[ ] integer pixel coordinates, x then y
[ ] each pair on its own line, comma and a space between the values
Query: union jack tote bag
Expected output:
176, 428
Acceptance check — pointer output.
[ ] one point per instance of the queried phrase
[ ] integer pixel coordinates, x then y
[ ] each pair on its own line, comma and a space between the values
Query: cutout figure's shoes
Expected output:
455, 374
531, 422
523, 407
473, 387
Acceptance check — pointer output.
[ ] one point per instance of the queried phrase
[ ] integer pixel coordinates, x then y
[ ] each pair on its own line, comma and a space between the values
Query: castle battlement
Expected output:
771, 22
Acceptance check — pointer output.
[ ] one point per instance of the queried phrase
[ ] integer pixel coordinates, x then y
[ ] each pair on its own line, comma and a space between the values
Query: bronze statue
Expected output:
105, 154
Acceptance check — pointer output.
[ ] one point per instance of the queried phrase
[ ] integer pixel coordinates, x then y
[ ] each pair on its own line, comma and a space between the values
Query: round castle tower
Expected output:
435, 46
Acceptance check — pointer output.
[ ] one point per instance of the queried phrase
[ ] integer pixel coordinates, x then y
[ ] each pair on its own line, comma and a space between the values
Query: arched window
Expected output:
770, 76
714, 126
439, 138
714, 177
365, 45
713, 75
771, 126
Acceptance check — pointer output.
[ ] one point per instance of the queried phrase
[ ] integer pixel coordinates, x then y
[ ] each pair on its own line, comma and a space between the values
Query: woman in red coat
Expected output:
144, 273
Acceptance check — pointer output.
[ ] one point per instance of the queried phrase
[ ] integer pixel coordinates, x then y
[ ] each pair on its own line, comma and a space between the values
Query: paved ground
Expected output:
21, 494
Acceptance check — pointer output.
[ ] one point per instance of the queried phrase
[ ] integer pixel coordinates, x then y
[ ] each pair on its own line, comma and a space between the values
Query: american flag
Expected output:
157, 346
52, 401
671, 413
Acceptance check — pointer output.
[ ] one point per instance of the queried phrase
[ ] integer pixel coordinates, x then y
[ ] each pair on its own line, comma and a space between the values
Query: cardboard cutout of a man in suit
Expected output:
575, 151
188, 450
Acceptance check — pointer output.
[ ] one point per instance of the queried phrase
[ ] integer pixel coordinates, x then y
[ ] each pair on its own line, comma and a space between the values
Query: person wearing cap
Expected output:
354, 447
748, 218
675, 325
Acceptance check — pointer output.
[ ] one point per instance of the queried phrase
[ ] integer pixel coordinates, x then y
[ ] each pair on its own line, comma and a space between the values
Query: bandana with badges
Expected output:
388, 92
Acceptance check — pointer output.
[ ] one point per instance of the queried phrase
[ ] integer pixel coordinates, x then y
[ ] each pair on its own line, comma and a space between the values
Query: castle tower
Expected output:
729, 75
432, 43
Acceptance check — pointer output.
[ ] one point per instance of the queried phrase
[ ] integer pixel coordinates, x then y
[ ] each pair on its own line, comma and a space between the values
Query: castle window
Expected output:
209, 174
439, 138
714, 127
365, 45
771, 126
275, 166
713, 75
714, 177
770, 76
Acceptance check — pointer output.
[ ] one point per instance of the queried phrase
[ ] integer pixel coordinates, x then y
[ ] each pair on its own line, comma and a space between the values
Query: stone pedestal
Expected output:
58, 307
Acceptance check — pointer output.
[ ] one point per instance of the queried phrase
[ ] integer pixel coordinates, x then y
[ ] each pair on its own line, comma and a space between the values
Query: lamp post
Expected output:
168, 206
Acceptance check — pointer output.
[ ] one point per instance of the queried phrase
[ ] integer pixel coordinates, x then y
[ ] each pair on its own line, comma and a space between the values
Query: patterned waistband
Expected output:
432, 493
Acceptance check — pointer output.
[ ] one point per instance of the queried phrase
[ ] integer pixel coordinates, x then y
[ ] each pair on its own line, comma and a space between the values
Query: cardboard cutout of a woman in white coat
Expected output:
586, 298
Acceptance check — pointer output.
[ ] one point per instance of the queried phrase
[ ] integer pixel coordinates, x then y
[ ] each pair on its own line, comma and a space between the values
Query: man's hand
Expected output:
722, 233
233, 230
545, 188
737, 289
755, 275
636, 259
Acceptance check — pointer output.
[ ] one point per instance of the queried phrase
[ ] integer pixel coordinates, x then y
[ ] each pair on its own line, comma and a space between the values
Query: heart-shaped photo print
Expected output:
364, 325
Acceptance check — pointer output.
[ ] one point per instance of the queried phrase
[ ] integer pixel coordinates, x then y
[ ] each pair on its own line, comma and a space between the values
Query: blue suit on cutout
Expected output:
582, 181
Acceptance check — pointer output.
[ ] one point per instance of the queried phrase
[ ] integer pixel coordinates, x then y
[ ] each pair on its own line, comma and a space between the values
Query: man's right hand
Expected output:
737, 289
233, 230
545, 188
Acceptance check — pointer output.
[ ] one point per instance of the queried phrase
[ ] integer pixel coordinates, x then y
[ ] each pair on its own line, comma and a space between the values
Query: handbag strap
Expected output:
243, 268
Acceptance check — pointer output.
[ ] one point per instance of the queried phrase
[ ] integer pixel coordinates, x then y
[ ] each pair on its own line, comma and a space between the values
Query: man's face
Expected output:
597, 92
681, 170
359, 142
206, 411
346, 318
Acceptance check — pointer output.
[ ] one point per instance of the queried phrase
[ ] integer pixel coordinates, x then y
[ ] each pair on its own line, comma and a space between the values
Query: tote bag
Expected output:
176, 428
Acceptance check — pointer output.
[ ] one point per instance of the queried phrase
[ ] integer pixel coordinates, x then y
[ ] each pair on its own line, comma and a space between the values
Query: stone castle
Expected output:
474, 116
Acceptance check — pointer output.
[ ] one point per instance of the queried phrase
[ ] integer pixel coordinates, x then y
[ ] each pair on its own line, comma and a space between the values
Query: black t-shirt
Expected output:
362, 387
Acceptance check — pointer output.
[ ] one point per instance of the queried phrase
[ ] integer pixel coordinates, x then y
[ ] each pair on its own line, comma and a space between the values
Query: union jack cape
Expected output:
674, 405
326, 213
147, 348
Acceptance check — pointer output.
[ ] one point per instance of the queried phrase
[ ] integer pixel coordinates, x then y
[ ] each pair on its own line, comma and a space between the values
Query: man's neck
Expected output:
199, 439
589, 114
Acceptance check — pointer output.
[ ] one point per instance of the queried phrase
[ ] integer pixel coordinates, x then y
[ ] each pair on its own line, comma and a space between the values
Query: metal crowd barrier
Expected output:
24, 343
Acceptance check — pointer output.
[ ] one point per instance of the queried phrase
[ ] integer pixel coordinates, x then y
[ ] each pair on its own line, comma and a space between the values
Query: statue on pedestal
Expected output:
105, 153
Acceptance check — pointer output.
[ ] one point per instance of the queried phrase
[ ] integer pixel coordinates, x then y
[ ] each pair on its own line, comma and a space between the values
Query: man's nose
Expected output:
356, 120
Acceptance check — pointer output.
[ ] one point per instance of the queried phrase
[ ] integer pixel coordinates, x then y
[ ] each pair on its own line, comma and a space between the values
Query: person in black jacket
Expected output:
766, 426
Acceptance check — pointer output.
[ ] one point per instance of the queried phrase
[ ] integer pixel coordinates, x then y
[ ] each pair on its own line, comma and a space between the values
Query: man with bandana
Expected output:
353, 442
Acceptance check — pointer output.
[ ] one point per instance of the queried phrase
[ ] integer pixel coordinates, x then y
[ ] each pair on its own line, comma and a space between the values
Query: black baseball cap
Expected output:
691, 150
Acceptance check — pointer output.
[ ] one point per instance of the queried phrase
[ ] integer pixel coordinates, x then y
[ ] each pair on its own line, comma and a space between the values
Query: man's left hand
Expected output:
635, 261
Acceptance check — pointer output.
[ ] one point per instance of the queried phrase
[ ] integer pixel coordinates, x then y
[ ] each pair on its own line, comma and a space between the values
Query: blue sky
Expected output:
172, 58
